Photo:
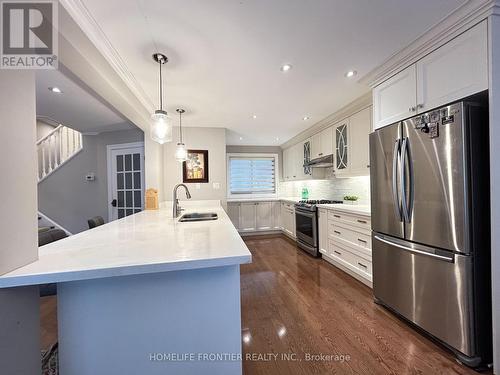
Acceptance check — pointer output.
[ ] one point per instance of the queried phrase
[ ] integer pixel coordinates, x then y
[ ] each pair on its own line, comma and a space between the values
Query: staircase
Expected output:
56, 148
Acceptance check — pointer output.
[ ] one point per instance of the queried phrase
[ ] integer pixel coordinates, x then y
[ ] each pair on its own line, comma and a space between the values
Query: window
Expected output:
252, 175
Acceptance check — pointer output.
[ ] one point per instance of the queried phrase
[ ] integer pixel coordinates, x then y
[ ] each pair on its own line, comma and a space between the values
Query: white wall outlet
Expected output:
197, 186
216, 185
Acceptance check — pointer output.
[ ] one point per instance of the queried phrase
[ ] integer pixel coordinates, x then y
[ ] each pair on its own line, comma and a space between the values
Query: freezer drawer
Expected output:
433, 290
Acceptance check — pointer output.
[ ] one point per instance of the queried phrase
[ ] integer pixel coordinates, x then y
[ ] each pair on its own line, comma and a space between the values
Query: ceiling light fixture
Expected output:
241, 138
254, 116
180, 152
351, 73
286, 67
57, 90
305, 118
161, 128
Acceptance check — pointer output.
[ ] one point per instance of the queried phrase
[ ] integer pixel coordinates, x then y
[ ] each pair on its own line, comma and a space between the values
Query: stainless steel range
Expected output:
306, 224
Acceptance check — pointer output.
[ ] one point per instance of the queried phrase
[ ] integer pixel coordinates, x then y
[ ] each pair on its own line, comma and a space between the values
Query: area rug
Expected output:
49, 361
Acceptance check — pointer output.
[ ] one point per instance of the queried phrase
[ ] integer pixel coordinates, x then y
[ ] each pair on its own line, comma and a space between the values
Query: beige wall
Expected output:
42, 129
19, 314
18, 121
211, 139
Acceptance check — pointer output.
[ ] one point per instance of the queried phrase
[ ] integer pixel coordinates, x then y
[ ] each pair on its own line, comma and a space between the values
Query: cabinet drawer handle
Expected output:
336, 231
337, 252
362, 221
338, 216
360, 240
363, 265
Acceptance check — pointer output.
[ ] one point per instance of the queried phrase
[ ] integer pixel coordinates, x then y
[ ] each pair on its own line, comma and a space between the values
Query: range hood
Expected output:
322, 162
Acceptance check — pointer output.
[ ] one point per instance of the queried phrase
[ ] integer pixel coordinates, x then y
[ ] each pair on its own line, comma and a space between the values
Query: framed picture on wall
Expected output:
195, 168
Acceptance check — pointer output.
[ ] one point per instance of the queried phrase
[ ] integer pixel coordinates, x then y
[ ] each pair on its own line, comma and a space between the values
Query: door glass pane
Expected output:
136, 211
137, 162
121, 203
137, 180
128, 199
129, 212
119, 163
128, 162
128, 180
137, 198
119, 180
121, 213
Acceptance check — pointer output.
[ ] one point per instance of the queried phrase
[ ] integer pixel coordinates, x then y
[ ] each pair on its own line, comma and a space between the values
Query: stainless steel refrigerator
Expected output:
431, 226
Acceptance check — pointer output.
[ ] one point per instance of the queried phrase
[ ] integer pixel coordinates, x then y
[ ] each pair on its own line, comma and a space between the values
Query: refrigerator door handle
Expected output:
406, 161
395, 192
415, 250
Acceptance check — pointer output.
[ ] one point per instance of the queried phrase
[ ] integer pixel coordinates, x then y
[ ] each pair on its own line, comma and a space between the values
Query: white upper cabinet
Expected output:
342, 144
395, 99
360, 125
322, 143
454, 71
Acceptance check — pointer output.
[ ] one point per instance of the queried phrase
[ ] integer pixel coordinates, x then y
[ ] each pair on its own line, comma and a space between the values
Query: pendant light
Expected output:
180, 152
161, 127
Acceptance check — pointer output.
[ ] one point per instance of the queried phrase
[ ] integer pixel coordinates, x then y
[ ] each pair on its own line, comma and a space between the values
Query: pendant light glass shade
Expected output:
181, 152
161, 127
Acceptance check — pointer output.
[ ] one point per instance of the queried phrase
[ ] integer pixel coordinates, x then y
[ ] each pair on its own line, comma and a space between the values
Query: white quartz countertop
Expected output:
349, 208
147, 242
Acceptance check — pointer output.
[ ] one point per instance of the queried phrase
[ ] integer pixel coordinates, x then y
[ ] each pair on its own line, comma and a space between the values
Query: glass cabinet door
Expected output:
341, 147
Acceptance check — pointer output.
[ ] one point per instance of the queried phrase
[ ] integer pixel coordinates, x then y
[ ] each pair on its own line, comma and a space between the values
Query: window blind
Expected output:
252, 175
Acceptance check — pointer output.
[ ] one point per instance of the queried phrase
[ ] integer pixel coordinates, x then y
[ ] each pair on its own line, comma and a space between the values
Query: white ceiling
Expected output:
77, 106
225, 55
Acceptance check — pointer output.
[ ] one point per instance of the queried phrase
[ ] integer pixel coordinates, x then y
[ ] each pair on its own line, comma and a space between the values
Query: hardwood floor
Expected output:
293, 303
48, 321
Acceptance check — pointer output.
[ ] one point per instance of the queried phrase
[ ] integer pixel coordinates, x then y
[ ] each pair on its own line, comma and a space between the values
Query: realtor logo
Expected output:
29, 34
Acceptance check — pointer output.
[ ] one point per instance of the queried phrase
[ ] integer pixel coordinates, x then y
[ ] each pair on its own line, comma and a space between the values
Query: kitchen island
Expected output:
146, 294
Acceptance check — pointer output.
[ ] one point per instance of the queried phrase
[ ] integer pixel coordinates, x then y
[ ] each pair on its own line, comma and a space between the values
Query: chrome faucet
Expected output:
176, 208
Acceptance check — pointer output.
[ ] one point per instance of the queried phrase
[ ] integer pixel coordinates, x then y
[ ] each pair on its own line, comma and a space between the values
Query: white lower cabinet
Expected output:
250, 217
323, 230
345, 241
288, 218
264, 215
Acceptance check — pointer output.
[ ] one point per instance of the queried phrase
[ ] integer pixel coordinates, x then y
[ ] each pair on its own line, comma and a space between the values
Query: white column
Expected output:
19, 313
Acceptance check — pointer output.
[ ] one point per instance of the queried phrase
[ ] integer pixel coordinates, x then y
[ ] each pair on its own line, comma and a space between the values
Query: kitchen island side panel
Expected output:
131, 324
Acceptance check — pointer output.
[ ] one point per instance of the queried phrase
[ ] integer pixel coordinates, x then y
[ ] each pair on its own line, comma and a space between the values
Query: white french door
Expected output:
125, 179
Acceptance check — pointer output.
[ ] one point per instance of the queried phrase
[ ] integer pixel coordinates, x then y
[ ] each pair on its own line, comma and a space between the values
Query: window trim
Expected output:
253, 155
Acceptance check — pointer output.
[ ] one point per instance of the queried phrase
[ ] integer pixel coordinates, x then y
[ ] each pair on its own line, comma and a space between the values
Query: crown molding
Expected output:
84, 19
458, 21
353, 107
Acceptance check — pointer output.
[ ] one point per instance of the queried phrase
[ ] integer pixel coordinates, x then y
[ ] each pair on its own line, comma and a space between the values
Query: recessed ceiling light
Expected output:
305, 118
277, 139
286, 67
254, 116
57, 90
351, 73
241, 138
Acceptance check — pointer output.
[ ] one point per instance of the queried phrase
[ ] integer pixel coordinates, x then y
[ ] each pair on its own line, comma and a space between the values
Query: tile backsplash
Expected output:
330, 188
